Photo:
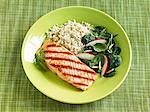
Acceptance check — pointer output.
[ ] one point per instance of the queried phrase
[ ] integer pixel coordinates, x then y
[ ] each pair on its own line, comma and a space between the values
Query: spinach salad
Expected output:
100, 51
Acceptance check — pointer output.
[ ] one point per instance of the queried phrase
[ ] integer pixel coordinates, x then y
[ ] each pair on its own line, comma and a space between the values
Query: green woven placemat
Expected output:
17, 94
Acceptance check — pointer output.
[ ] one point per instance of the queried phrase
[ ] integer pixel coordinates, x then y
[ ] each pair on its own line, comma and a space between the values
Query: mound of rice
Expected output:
69, 34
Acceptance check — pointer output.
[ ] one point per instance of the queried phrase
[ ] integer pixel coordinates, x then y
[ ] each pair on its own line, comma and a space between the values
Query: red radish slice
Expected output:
88, 51
87, 56
105, 66
99, 39
95, 42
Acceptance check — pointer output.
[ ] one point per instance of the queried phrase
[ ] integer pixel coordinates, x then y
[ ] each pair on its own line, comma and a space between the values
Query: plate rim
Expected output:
76, 102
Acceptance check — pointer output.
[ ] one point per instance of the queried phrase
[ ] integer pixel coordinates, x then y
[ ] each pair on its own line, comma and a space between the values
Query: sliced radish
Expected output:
99, 39
95, 42
87, 56
105, 66
88, 51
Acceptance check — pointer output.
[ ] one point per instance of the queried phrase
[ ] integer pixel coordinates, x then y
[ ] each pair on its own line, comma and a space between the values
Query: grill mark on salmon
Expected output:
72, 64
77, 76
77, 83
47, 51
53, 45
81, 73
64, 56
59, 58
70, 67
55, 48
70, 74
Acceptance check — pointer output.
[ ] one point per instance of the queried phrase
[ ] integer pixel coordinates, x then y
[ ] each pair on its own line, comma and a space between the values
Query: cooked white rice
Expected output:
69, 34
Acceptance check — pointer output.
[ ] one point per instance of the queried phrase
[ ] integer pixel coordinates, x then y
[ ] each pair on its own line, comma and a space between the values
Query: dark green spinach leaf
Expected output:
87, 38
97, 59
114, 61
98, 29
99, 47
116, 50
99, 50
40, 60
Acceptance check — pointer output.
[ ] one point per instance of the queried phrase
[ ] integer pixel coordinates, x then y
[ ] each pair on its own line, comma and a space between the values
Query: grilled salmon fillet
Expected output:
67, 66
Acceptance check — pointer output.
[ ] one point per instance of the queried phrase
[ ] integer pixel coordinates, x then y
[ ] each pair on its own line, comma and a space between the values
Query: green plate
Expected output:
51, 85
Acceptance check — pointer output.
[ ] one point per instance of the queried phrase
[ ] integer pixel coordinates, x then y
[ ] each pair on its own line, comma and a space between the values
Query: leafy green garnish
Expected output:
101, 32
98, 58
114, 61
116, 50
110, 49
87, 38
98, 29
40, 60
99, 47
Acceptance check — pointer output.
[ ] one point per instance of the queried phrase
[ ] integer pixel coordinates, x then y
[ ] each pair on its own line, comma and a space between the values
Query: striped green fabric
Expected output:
17, 94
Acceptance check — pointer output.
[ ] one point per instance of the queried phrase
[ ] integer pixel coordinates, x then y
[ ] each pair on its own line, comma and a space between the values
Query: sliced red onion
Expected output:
105, 66
88, 51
